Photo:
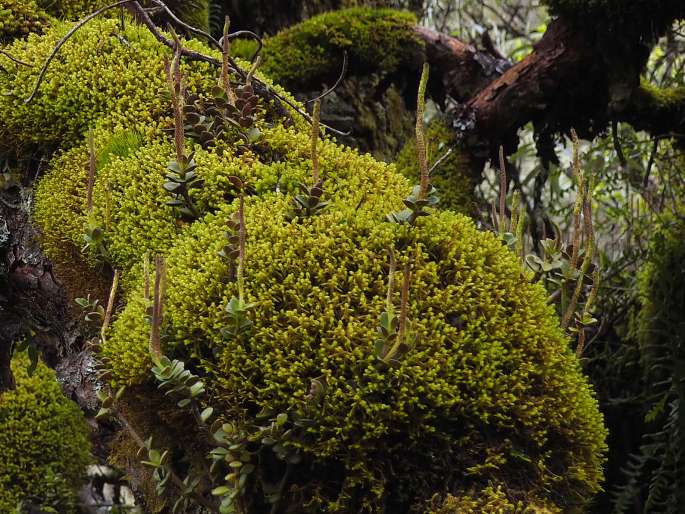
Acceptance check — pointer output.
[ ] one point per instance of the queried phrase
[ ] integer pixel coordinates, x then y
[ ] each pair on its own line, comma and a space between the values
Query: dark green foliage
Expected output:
641, 18
655, 476
309, 202
208, 120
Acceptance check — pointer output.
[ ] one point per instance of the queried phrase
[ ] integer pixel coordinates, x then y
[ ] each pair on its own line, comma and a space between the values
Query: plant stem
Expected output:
421, 134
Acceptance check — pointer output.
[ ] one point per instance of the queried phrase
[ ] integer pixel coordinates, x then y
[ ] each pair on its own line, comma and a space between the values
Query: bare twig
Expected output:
440, 161
343, 72
110, 305
260, 43
184, 25
14, 59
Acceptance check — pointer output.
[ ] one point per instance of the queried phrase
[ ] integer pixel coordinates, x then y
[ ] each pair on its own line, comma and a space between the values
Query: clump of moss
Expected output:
375, 40
71, 9
489, 353
44, 446
452, 178
104, 75
19, 18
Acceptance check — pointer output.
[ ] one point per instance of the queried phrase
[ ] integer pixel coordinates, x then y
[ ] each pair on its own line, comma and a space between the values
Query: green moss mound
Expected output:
451, 178
19, 18
375, 40
489, 390
103, 76
44, 446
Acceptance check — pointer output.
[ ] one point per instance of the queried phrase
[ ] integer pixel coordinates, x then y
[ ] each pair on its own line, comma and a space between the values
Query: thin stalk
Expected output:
587, 259
316, 117
404, 312
225, 63
91, 172
242, 236
110, 306
176, 86
421, 134
580, 178
157, 310
502, 192
389, 305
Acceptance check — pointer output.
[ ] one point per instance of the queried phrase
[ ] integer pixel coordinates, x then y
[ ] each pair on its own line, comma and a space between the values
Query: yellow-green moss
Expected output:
451, 178
72, 9
375, 40
491, 500
44, 446
104, 76
19, 18
489, 353
130, 188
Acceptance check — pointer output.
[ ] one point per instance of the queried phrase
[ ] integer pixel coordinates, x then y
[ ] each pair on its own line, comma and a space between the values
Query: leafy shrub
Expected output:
44, 447
656, 471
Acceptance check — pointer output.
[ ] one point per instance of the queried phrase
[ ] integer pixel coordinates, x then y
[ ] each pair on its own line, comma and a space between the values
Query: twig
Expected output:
650, 163
14, 59
184, 25
440, 161
110, 306
343, 72
617, 145
260, 43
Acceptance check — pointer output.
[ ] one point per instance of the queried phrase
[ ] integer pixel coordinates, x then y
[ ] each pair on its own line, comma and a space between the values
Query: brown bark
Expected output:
34, 304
